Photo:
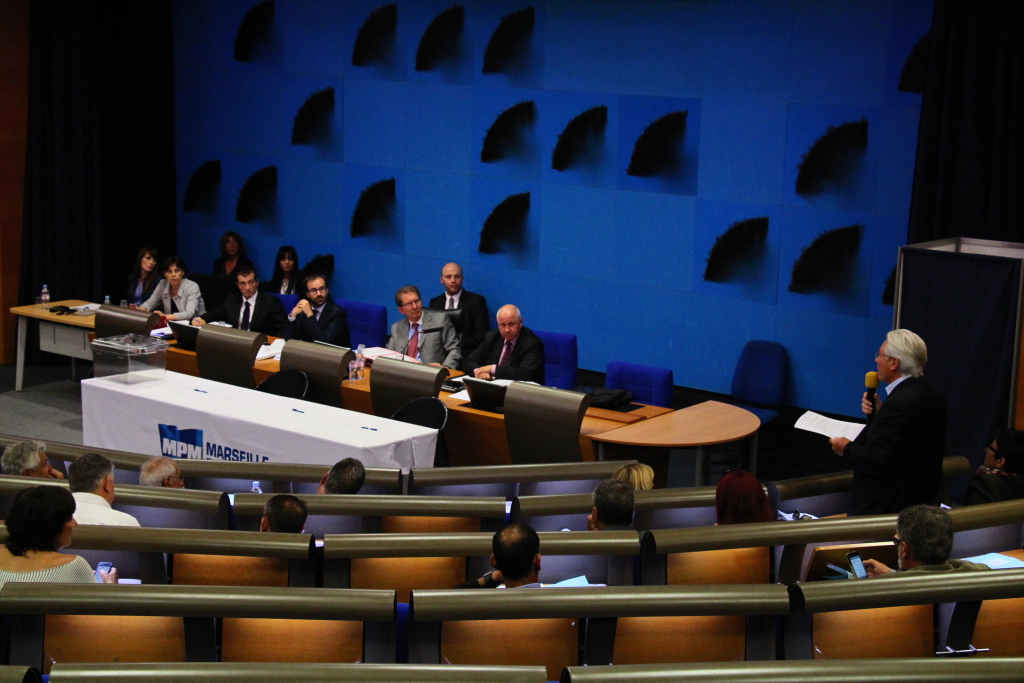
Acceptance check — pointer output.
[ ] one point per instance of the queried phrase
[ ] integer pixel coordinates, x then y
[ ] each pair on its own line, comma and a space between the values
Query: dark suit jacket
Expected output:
267, 316
331, 328
526, 363
993, 488
475, 320
897, 459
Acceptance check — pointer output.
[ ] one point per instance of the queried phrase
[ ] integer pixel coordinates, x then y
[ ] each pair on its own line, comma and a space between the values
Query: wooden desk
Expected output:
67, 335
698, 426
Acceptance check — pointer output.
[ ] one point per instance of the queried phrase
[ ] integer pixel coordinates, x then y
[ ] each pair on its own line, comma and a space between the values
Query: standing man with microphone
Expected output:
897, 459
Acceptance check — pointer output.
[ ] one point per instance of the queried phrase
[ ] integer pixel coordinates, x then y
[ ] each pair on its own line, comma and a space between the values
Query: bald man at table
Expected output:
510, 352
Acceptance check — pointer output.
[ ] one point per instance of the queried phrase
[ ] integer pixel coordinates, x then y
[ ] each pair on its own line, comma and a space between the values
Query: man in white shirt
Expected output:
91, 480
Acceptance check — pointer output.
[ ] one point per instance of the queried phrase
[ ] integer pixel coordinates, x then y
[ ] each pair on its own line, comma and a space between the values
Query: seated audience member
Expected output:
177, 297
28, 459
232, 255
286, 278
423, 334
161, 471
144, 277
515, 558
284, 514
91, 480
475, 320
347, 476
639, 476
40, 523
509, 352
740, 499
613, 507
1001, 476
316, 318
246, 309
924, 540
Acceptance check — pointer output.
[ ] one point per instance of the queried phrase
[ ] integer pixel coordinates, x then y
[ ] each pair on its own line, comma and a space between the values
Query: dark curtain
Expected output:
970, 151
100, 179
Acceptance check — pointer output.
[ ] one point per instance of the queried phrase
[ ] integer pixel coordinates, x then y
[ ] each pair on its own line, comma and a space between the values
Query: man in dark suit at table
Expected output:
316, 318
247, 309
510, 352
897, 458
475, 321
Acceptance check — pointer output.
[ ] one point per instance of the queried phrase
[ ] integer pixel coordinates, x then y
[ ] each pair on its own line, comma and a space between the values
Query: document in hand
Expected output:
819, 424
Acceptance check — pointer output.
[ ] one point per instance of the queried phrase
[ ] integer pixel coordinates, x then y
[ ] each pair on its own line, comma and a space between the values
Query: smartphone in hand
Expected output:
857, 565
105, 567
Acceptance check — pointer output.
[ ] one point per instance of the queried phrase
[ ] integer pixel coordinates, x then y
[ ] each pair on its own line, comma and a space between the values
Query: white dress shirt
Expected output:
93, 509
893, 384
448, 300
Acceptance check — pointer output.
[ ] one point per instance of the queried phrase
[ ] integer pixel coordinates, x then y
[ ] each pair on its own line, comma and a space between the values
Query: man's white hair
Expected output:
909, 349
155, 470
21, 456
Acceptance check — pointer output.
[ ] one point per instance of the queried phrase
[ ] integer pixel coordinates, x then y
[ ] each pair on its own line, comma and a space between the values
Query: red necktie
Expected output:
505, 353
414, 342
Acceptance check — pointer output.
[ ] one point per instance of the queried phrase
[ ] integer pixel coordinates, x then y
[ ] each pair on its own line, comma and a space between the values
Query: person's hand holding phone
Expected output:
106, 572
875, 568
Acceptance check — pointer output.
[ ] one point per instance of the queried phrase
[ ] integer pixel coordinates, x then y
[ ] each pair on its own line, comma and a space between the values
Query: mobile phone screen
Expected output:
857, 565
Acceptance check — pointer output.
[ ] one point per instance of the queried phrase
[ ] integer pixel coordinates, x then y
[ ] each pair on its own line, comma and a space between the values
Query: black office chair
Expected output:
287, 383
431, 413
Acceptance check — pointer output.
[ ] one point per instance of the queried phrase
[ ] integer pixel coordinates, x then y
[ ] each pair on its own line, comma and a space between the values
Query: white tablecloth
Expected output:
189, 417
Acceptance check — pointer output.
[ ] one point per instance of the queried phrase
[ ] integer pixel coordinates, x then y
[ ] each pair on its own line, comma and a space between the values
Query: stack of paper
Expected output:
271, 350
819, 424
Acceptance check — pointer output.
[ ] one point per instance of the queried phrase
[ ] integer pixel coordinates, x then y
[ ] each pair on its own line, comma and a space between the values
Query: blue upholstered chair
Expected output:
368, 323
649, 384
561, 359
287, 300
759, 384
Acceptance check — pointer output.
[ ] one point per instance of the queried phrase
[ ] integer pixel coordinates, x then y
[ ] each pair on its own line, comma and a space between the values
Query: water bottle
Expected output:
360, 362
256, 487
106, 300
352, 372
45, 295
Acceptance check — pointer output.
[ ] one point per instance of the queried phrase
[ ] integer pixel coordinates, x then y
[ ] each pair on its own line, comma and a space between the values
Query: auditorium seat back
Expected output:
113, 321
394, 383
325, 368
561, 359
542, 424
227, 355
288, 301
647, 383
367, 323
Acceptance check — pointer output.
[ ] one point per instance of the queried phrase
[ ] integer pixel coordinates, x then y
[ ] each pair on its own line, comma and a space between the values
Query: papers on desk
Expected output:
997, 561
379, 352
819, 424
85, 307
464, 394
271, 350
162, 332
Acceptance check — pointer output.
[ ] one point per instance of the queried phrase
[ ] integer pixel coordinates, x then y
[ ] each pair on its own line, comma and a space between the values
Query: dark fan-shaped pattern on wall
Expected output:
440, 42
826, 265
506, 226
580, 139
507, 135
658, 149
256, 28
510, 42
374, 208
376, 37
201, 191
258, 197
738, 246
313, 122
322, 264
832, 157
915, 69
889, 293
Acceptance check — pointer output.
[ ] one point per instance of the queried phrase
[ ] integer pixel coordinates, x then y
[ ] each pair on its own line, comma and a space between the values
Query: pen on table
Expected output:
372, 429
200, 391
296, 410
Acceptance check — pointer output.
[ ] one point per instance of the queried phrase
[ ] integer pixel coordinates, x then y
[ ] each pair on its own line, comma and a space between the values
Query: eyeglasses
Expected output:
881, 355
317, 290
994, 451
896, 540
414, 302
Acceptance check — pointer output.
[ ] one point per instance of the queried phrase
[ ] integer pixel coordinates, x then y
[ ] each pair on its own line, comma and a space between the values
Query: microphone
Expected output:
871, 383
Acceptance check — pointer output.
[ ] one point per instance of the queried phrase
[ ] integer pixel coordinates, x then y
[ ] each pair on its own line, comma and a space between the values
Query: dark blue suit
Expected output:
332, 327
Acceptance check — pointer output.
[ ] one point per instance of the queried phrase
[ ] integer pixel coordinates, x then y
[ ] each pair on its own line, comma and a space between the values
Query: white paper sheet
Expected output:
270, 350
819, 424
464, 394
162, 332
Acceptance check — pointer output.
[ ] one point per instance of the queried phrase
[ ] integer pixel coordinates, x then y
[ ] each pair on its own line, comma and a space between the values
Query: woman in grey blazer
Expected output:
179, 298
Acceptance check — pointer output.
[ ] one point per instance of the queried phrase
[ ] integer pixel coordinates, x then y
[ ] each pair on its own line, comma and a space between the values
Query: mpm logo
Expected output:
181, 443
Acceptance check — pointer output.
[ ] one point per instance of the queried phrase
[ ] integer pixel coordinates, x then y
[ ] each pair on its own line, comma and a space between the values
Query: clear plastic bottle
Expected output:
45, 295
352, 374
106, 300
360, 362
256, 487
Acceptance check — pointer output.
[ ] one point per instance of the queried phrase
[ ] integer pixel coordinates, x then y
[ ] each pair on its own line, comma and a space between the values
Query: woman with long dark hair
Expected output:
740, 499
39, 524
144, 277
232, 255
286, 279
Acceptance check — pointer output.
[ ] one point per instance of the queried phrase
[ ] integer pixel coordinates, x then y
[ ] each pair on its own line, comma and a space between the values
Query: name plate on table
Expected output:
188, 417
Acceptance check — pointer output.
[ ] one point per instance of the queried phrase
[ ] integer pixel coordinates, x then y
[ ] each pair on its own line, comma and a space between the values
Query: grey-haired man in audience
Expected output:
28, 459
284, 514
347, 476
924, 540
161, 471
91, 480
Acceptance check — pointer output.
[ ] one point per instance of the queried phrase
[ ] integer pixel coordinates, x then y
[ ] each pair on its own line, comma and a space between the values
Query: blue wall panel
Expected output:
617, 259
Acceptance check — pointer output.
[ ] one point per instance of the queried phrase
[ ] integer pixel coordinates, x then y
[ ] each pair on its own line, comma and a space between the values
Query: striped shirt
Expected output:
76, 571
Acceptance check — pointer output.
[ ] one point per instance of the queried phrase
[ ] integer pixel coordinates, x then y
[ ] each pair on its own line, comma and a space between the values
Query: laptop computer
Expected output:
484, 395
184, 334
